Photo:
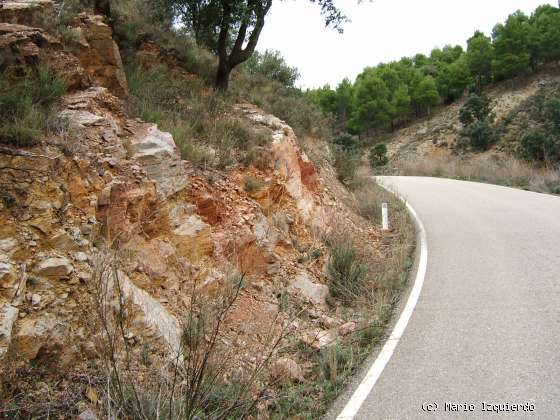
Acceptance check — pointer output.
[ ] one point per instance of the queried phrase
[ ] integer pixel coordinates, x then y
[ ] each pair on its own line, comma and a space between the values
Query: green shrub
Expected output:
537, 146
552, 113
345, 271
347, 142
136, 21
199, 119
480, 135
336, 362
477, 118
476, 108
272, 65
19, 136
378, 155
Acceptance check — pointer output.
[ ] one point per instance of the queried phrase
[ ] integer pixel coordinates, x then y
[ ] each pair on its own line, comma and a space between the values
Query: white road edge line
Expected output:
364, 389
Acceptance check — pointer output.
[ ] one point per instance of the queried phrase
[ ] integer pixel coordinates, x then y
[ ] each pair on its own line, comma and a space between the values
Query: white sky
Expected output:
380, 31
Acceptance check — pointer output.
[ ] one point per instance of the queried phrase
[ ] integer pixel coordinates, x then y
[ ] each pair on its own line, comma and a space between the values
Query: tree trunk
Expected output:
102, 7
238, 54
222, 77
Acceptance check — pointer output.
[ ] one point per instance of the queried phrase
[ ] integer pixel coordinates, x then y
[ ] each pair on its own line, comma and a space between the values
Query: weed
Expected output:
345, 271
284, 301
316, 254
25, 106
252, 185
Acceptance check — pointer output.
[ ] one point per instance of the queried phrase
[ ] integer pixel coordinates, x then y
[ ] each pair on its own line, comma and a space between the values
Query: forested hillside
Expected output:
393, 95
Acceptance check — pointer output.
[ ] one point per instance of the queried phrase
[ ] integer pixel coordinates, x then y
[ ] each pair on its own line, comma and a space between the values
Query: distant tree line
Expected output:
388, 95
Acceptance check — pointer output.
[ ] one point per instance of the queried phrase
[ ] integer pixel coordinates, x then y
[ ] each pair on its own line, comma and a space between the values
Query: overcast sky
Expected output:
380, 31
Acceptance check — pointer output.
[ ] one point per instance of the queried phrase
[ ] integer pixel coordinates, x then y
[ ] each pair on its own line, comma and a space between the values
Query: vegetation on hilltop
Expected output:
389, 95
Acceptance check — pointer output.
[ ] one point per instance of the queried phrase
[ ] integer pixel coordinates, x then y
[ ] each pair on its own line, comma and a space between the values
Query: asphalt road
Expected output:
486, 328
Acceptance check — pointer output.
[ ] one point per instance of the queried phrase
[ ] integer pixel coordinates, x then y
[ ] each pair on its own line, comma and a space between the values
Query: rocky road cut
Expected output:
483, 340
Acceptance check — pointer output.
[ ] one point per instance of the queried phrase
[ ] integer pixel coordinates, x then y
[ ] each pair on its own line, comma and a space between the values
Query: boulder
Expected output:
32, 334
155, 315
54, 267
8, 316
153, 146
78, 119
87, 415
158, 155
293, 168
193, 239
319, 339
81, 257
8, 245
314, 292
209, 208
35, 299
8, 274
286, 370
347, 328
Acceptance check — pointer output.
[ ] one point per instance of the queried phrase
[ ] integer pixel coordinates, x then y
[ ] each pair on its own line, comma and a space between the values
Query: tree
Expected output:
426, 95
378, 155
102, 7
272, 65
480, 134
480, 54
324, 97
446, 55
476, 108
343, 100
546, 21
372, 107
231, 28
453, 79
399, 97
511, 46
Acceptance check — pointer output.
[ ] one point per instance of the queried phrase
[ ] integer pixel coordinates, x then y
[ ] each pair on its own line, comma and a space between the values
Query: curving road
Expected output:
486, 327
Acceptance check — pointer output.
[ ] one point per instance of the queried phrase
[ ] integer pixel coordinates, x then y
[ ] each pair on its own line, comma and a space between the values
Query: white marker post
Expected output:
385, 216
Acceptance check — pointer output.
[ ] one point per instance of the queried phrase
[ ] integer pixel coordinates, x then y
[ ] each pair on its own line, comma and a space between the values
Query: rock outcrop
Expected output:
25, 48
25, 12
120, 192
99, 54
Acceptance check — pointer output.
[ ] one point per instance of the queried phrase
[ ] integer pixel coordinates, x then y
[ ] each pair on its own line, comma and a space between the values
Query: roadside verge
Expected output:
367, 384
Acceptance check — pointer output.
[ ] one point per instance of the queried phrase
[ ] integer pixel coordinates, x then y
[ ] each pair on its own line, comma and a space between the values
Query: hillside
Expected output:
149, 263
432, 146
513, 106
488, 112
